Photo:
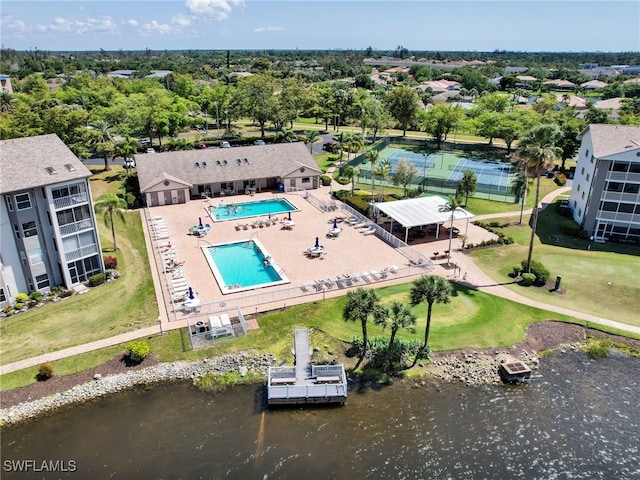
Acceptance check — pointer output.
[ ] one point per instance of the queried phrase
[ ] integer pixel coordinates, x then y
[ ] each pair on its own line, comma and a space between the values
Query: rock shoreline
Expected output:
163, 372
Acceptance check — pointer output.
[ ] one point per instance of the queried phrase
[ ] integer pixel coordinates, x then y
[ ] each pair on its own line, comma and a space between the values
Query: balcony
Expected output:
622, 176
70, 201
70, 228
81, 252
620, 197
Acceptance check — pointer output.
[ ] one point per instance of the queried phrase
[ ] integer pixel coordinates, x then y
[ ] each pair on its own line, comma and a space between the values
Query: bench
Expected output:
282, 381
327, 379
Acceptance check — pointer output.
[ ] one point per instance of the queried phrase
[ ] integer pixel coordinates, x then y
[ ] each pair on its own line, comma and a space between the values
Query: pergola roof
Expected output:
416, 212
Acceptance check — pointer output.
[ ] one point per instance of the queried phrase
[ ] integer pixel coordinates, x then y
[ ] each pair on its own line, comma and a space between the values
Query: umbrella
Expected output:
191, 295
289, 215
200, 221
317, 242
335, 223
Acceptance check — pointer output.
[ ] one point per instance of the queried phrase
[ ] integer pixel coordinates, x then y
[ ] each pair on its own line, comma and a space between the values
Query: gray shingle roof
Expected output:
23, 162
266, 161
611, 139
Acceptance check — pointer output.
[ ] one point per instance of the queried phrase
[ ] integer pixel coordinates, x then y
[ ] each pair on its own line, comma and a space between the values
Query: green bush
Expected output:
517, 269
539, 270
18, 306
570, 227
137, 350
560, 179
598, 348
325, 180
528, 279
66, 293
22, 298
45, 372
342, 194
97, 279
36, 296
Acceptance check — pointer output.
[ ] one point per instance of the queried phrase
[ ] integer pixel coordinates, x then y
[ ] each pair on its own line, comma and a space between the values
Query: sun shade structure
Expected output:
417, 212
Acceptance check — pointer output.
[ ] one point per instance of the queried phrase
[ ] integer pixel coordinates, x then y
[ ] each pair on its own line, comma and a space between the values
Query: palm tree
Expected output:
397, 317
285, 135
311, 137
353, 141
103, 141
537, 149
7, 101
452, 206
351, 173
110, 204
383, 172
430, 289
126, 148
362, 304
372, 156
520, 184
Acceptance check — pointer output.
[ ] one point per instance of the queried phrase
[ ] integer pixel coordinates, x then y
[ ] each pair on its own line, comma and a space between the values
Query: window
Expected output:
7, 198
29, 229
579, 212
583, 195
614, 187
16, 231
306, 179
23, 257
592, 158
3, 297
635, 167
588, 177
626, 208
631, 188
587, 153
582, 171
36, 256
609, 206
578, 187
23, 201
42, 281
620, 166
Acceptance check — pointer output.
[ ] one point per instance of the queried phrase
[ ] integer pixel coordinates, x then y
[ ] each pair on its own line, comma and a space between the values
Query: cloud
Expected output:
181, 20
268, 29
216, 9
155, 28
90, 25
132, 22
10, 24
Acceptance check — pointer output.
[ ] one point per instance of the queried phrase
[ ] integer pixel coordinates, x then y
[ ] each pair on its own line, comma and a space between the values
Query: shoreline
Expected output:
472, 367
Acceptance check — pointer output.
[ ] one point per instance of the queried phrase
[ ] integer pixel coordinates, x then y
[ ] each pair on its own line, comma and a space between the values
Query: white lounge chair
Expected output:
355, 277
369, 230
393, 269
366, 276
375, 274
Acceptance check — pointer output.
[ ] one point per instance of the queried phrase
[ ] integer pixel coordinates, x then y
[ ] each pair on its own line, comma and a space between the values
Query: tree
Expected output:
351, 173
353, 142
255, 95
452, 206
430, 289
362, 304
403, 104
397, 317
537, 149
467, 185
520, 184
285, 136
110, 204
383, 171
404, 174
440, 119
372, 156
103, 141
126, 148
311, 137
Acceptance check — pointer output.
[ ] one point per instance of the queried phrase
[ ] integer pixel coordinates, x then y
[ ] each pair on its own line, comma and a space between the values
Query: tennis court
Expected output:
488, 173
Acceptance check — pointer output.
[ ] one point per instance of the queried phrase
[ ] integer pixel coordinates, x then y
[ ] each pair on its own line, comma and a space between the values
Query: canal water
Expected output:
576, 419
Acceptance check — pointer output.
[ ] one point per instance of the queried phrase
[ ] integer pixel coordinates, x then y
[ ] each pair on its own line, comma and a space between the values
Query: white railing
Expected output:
72, 200
81, 252
75, 227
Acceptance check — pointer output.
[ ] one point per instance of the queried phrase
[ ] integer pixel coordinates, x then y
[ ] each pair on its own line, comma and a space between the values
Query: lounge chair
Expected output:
366, 276
393, 269
369, 230
355, 277
375, 274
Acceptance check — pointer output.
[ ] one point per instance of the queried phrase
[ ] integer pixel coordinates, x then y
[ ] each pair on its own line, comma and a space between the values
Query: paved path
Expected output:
475, 278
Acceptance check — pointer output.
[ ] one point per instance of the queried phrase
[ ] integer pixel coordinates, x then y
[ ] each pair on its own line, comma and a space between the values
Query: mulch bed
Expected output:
118, 364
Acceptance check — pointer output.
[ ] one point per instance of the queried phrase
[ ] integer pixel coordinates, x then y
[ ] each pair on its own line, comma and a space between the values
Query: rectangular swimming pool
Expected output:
235, 211
241, 266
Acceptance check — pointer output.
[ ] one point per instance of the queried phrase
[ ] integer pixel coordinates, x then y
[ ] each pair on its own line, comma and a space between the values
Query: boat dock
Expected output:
304, 382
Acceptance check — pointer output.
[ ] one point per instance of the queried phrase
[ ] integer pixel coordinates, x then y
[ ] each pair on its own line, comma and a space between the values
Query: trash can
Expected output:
280, 187
558, 280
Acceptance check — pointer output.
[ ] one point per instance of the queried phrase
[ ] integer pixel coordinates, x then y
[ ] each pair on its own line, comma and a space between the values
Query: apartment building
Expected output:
605, 198
48, 233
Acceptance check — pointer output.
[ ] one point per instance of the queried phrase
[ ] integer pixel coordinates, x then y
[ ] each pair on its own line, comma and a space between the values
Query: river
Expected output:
576, 419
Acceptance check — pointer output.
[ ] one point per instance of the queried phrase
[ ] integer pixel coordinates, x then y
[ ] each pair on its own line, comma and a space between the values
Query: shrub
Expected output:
110, 263
342, 194
570, 227
36, 297
528, 279
325, 180
22, 298
97, 279
598, 348
112, 274
539, 270
18, 306
560, 179
45, 372
66, 293
517, 269
137, 350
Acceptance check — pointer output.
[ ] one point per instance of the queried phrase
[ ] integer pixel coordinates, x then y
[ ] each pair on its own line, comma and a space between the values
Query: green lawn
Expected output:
602, 280
472, 319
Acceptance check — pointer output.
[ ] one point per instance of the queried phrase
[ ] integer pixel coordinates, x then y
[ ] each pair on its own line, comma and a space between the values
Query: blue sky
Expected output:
561, 25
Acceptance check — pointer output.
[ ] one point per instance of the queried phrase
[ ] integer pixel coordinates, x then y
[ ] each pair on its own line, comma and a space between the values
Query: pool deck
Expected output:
352, 252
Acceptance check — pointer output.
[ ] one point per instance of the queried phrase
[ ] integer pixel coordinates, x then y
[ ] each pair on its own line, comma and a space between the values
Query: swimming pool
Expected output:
243, 265
234, 211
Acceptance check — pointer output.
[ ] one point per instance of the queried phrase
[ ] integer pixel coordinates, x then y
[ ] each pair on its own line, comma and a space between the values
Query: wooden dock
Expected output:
305, 383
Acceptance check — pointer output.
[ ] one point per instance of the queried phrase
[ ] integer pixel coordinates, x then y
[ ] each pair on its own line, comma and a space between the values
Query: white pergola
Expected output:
417, 212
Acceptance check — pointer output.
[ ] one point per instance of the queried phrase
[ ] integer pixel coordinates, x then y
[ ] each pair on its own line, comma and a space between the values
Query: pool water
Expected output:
234, 211
244, 265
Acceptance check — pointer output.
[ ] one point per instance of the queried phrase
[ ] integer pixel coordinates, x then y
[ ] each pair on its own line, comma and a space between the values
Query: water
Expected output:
235, 211
242, 265
577, 419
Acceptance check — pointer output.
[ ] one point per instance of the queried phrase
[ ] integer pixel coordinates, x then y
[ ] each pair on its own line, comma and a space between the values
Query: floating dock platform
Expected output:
305, 383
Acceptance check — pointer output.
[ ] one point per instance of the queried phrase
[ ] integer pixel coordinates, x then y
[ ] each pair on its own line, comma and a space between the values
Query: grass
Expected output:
83, 318
601, 280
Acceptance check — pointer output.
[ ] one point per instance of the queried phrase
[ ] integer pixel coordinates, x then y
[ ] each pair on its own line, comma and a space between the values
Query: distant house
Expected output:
559, 84
122, 74
632, 80
48, 232
159, 73
611, 105
574, 101
605, 197
593, 85
440, 86
176, 177
5, 84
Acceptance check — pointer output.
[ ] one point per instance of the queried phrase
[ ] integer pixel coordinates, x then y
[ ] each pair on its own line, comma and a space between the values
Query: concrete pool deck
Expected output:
352, 252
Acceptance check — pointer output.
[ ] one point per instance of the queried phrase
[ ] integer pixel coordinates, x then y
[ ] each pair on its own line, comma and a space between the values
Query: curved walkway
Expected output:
475, 278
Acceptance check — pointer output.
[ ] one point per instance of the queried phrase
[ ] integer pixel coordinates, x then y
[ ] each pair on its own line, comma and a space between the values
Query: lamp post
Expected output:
362, 119
215, 104
226, 112
424, 172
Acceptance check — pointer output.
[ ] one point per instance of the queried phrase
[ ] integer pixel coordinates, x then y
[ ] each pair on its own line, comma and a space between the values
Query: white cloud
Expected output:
10, 24
81, 27
268, 29
181, 20
155, 28
132, 22
217, 9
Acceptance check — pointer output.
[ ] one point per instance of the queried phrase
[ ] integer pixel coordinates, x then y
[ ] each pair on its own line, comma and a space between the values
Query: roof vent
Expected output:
204, 164
225, 162
218, 162
51, 170
246, 160
239, 161
197, 165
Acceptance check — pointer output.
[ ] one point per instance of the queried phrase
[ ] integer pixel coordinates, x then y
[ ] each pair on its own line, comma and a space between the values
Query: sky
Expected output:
472, 25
